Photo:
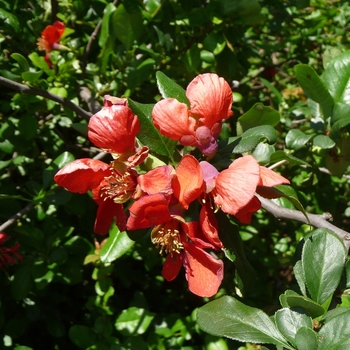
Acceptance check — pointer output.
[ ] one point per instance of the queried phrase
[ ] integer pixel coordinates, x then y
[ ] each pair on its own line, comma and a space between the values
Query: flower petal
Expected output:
269, 178
114, 128
210, 226
235, 186
188, 182
82, 175
171, 267
204, 273
171, 118
157, 180
148, 211
210, 97
106, 212
244, 215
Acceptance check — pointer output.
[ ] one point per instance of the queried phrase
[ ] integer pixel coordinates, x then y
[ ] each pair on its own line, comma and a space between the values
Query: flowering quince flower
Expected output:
5, 253
50, 37
210, 100
113, 129
233, 189
183, 242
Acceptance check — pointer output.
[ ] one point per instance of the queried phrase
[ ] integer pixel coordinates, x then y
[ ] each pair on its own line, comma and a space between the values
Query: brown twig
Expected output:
39, 92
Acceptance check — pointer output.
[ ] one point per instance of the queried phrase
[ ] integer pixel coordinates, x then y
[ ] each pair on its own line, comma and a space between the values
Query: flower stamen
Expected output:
167, 239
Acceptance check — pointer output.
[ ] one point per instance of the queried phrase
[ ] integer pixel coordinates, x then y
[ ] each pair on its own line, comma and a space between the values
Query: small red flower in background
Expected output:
113, 129
210, 100
8, 256
50, 37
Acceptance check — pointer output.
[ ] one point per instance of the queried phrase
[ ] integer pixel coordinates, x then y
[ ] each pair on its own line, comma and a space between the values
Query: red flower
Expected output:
210, 100
50, 36
233, 189
8, 256
114, 129
183, 242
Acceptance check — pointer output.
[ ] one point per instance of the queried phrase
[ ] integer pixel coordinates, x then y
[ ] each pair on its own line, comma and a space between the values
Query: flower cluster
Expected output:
50, 37
8, 256
177, 202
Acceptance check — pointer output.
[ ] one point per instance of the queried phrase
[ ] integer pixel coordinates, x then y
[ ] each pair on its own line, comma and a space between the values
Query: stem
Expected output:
315, 220
39, 92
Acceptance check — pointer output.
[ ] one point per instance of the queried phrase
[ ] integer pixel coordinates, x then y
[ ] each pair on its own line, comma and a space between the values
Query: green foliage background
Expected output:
69, 294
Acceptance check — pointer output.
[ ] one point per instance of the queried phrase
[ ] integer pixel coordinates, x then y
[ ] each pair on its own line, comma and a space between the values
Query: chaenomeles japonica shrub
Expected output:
172, 178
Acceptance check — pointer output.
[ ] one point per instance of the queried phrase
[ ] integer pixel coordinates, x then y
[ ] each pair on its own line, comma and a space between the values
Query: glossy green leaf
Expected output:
105, 26
169, 89
295, 139
323, 258
299, 276
263, 152
133, 321
292, 160
148, 134
289, 321
253, 136
334, 334
22, 61
228, 317
63, 159
257, 115
306, 339
118, 243
294, 300
323, 141
337, 127
314, 88
126, 27
39, 62
10, 19
337, 77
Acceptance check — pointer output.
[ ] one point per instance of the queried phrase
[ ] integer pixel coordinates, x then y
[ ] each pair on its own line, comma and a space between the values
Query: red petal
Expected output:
235, 186
211, 98
269, 178
204, 273
172, 119
148, 211
82, 175
114, 128
245, 214
171, 267
51, 35
60, 27
106, 212
194, 231
188, 182
157, 180
210, 226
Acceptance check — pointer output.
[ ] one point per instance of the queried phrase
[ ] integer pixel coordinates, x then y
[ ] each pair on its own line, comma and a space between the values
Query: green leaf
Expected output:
289, 321
336, 130
22, 61
227, 317
306, 339
133, 321
337, 78
27, 126
117, 245
334, 335
295, 139
40, 62
323, 141
272, 88
169, 89
126, 27
253, 136
82, 336
294, 300
10, 19
31, 77
292, 160
105, 27
63, 159
323, 258
314, 88
299, 276
148, 134
263, 152
22, 283
258, 115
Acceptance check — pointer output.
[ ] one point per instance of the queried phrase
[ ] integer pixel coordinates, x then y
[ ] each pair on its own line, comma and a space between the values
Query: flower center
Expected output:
167, 238
119, 187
